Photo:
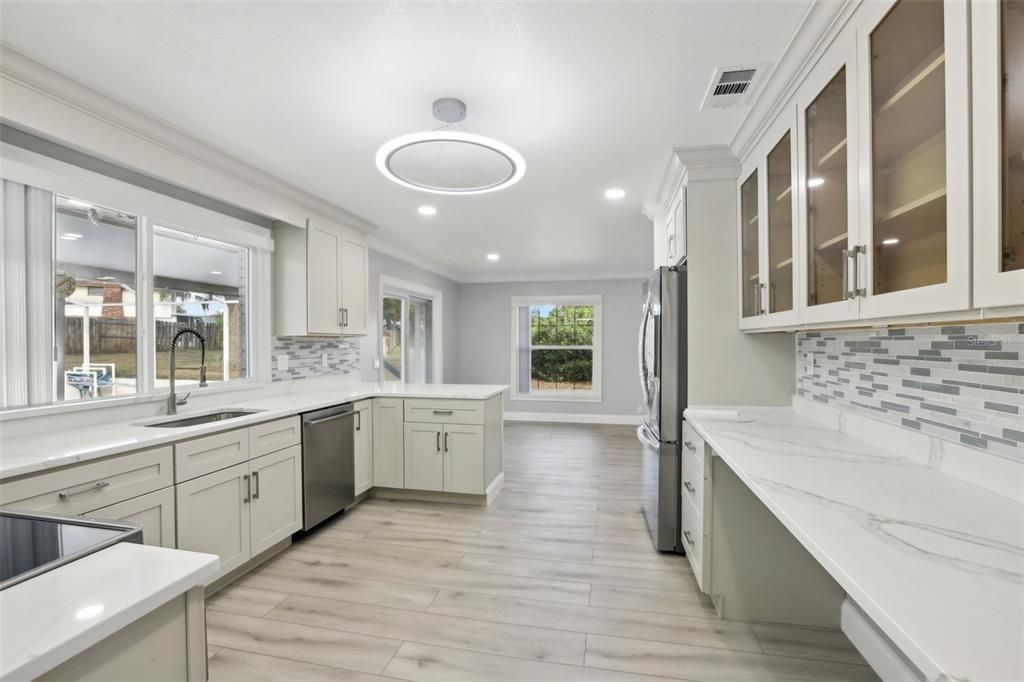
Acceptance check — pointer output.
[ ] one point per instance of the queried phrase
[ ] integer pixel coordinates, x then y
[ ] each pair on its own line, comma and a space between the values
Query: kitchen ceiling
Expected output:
593, 95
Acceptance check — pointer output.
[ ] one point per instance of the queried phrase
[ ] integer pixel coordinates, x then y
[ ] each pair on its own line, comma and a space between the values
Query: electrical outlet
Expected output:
809, 364
376, 363
323, 359
282, 363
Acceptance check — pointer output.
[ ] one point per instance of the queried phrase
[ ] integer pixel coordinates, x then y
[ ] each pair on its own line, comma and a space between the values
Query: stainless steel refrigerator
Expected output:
662, 349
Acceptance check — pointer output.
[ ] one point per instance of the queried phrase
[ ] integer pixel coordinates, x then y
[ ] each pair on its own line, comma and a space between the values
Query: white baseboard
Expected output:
567, 418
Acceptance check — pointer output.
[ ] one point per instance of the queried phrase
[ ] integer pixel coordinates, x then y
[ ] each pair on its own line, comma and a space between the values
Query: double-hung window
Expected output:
556, 348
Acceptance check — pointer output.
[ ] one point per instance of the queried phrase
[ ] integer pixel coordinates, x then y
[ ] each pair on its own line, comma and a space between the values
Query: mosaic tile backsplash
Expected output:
963, 383
305, 357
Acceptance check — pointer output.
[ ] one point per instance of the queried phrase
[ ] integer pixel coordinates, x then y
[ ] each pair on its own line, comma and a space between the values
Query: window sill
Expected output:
557, 397
54, 409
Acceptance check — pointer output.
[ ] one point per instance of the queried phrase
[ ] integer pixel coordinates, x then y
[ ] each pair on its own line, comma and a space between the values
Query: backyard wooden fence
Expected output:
108, 335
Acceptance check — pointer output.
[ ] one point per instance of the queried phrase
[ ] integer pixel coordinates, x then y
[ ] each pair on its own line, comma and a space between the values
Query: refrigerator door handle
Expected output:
645, 436
642, 355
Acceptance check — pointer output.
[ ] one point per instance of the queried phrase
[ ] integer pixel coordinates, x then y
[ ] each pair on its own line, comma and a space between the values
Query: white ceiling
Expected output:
593, 95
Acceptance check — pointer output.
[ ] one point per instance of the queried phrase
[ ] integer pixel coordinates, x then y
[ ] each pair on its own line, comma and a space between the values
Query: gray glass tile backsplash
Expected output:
963, 383
305, 357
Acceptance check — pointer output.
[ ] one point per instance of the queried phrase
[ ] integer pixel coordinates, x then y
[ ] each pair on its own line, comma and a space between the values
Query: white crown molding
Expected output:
375, 243
519, 279
818, 27
569, 418
688, 164
128, 135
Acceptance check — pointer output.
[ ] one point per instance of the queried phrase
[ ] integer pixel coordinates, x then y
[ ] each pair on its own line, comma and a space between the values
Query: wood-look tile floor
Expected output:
557, 580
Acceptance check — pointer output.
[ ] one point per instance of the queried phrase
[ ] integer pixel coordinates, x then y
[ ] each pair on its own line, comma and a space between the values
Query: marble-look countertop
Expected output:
935, 562
54, 616
38, 452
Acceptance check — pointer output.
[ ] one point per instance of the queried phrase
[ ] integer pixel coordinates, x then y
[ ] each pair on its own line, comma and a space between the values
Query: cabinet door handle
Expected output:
689, 446
248, 488
87, 488
446, 441
359, 420
344, 317
857, 289
689, 540
689, 486
341, 314
256, 485
760, 298
438, 434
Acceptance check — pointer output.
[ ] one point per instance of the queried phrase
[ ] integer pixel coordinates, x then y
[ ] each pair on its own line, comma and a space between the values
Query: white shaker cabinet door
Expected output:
153, 511
364, 446
388, 443
424, 468
324, 246
353, 286
463, 459
213, 515
276, 497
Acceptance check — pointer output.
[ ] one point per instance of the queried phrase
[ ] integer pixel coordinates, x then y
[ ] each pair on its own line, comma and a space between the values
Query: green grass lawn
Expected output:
126, 364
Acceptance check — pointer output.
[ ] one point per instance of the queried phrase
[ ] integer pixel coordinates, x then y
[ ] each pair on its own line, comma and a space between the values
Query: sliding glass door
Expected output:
406, 338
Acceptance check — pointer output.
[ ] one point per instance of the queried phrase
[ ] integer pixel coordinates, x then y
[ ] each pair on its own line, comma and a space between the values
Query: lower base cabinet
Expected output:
238, 512
153, 511
444, 457
364, 446
388, 446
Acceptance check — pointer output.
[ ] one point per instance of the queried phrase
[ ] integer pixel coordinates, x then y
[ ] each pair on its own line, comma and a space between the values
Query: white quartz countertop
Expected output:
38, 452
935, 562
52, 617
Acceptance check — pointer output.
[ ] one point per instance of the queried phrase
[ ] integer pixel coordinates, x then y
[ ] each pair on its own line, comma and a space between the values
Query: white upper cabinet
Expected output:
827, 188
998, 119
320, 280
914, 254
861, 184
767, 230
670, 230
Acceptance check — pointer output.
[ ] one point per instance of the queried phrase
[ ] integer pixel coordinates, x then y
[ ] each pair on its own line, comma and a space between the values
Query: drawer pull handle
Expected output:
689, 446
88, 488
689, 486
448, 412
689, 540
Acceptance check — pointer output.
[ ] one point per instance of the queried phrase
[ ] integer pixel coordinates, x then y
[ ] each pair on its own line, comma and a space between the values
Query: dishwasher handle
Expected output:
314, 422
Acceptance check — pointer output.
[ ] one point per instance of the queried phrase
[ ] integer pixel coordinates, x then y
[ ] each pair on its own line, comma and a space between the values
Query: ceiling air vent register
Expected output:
731, 86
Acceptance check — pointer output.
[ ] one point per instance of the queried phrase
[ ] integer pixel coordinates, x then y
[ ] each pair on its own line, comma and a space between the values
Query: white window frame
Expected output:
591, 396
387, 284
30, 168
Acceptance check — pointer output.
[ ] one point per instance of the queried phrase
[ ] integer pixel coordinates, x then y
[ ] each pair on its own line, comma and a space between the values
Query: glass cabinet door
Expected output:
826, 195
749, 247
908, 129
780, 227
1012, 41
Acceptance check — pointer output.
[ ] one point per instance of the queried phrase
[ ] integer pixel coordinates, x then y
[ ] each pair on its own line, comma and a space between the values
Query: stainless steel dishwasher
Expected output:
328, 463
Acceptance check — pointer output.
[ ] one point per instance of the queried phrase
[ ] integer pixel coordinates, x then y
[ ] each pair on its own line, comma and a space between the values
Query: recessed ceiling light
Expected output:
493, 256
816, 182
71, 236
215, 272
890, 241
614, 193
427, 210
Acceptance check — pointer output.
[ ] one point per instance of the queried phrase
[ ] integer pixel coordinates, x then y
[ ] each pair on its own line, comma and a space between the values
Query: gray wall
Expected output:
485, 334
382, 264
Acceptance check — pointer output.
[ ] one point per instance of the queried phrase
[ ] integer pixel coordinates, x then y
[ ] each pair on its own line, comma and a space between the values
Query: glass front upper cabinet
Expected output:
780, 227
826, 194
750, 247
908, 129
1012, 41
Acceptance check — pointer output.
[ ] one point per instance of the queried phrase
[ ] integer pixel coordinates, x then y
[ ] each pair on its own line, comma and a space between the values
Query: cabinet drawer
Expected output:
204, 455
274, 436
79, 489
693, 539
693, 445
445, 411
693, 477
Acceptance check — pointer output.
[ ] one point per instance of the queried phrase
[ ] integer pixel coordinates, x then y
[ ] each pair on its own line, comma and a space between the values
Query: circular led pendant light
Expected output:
446, 161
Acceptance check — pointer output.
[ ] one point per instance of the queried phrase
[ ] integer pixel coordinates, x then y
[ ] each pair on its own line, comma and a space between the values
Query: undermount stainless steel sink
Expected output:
202, 419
